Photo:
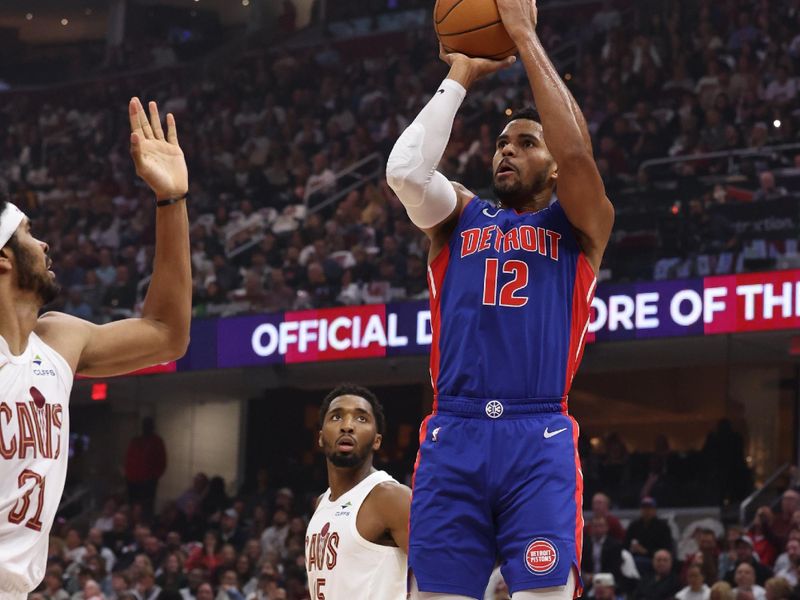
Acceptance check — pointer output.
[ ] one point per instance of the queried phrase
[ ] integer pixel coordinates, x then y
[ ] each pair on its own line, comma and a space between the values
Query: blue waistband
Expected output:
498, 408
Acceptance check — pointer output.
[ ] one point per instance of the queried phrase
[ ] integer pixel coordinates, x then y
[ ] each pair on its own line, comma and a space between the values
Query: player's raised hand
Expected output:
159, 160
466, 70
519, 16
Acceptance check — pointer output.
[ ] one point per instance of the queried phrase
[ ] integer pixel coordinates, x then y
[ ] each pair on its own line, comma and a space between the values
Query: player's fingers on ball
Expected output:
155, 120
146, 129
172, 130
444, 55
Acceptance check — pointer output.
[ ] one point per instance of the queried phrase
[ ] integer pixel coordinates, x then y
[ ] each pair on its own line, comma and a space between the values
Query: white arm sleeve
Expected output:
411, 172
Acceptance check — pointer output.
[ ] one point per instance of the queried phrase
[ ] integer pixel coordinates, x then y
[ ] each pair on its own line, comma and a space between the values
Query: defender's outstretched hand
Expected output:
467, 70
519, 16
159, 160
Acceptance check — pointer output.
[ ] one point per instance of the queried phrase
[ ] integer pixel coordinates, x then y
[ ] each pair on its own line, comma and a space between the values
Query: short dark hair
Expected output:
526, 112
351, 389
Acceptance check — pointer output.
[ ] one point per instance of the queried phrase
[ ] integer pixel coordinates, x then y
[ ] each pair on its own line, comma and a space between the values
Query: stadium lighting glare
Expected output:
568, 76
65, 22
245, 2
777, 123
29, 17
509, 112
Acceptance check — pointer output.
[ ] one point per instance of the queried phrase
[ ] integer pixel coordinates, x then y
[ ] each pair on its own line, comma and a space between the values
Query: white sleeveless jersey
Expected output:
341, 564
34, 446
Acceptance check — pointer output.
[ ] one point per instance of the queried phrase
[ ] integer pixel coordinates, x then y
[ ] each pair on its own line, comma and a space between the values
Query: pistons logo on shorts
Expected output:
541, 556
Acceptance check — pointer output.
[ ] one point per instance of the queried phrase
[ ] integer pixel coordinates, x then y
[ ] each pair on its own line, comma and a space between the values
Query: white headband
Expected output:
10, 220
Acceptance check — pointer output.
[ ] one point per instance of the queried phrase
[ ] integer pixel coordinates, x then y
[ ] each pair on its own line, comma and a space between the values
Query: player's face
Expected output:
349, 433
522, 165
33, 265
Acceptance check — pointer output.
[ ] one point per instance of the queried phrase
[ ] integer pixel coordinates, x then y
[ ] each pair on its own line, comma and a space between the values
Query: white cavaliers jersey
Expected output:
34, 444
341, 564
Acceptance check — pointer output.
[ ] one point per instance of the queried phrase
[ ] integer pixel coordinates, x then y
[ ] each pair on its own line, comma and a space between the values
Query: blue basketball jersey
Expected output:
510, 302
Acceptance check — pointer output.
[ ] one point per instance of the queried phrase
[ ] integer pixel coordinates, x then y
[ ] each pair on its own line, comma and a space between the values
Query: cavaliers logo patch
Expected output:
541, 556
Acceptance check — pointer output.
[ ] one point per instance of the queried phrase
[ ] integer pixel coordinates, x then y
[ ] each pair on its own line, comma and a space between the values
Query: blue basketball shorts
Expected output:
496, 481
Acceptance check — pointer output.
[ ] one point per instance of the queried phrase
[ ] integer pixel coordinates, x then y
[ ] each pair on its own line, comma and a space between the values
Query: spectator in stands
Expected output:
274, 536
54, 585
706, 558
782, 522
91, 591
722, 591
768, 190
146, 588
216, 499
696, 588
745, 579
229, 586
120, 297
662, 584
789, 568
195, 578
205, 557
205, 592
791, 552
195, 493
604, 587
120, 536
648, 534
601, 552
76, 305
782, 90
145, 463
120, 585
778, 588
745, 554
229, 530
106, 520
765, 542
601, 507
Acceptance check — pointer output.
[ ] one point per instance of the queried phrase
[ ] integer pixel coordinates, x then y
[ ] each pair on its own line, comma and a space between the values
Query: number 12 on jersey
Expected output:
509, 292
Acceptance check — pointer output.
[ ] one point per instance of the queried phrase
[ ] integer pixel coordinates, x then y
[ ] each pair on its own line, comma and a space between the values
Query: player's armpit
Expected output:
111, 349
392, 505
582, 195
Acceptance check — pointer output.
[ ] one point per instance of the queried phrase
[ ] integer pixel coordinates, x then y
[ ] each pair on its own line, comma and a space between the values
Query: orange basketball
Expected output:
472, 27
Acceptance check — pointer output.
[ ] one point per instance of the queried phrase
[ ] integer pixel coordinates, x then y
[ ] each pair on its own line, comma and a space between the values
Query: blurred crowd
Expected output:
207, 545
266, 137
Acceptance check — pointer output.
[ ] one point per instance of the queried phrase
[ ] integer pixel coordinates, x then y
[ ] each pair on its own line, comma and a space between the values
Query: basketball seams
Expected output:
449, 10
474, 29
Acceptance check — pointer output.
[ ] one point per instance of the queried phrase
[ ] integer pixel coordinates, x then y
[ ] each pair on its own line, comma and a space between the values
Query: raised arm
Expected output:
162, 333
431, 201
579, 185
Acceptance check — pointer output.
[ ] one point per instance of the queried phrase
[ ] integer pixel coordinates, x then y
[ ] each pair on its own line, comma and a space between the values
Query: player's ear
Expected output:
554, 171
319, 439
376, 445
5, 260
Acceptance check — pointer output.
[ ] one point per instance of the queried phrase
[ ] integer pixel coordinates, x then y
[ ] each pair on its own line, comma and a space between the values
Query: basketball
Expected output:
472, 27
